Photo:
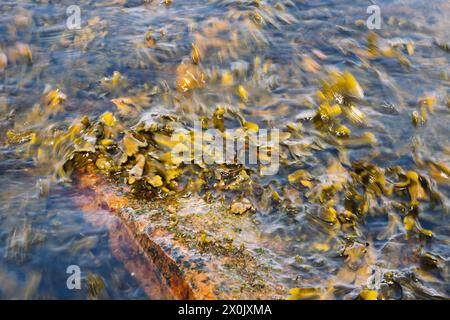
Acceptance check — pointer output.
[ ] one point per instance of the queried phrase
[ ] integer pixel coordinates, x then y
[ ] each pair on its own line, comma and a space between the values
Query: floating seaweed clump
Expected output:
337, 100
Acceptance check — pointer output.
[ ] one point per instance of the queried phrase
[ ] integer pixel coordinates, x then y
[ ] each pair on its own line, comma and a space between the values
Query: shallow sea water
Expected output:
43, 229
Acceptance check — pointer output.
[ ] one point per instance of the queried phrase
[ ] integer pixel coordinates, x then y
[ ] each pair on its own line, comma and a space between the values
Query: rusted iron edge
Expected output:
105, 195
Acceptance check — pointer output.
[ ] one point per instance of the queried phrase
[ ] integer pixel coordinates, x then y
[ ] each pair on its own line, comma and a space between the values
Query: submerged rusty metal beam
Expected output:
156, 273
186, 241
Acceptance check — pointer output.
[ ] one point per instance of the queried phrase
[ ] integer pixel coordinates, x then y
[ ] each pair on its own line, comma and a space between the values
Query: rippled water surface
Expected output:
281, 53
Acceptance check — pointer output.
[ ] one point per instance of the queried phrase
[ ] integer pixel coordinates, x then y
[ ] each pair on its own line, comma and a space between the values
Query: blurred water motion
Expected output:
264, 60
